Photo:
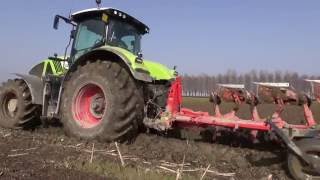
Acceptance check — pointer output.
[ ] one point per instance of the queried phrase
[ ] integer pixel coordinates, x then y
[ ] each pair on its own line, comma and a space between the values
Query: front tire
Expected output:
101, 100
16, 108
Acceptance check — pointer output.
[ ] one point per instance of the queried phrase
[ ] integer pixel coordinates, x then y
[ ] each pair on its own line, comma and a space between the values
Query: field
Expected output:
46, 153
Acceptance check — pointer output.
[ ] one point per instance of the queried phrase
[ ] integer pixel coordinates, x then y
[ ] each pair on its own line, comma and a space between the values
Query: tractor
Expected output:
99, 91
104, 89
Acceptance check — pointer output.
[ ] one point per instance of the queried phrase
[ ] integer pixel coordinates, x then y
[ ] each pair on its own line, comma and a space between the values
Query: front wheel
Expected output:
101, 100
297, 168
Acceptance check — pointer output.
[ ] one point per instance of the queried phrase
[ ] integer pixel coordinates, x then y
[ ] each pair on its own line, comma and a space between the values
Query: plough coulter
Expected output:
104, 89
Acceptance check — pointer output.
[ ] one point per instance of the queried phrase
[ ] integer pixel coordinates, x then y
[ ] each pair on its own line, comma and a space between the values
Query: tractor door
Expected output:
91, 33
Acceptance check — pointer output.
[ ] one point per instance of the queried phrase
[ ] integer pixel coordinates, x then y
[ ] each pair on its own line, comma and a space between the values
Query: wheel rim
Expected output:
10, 105
89, 106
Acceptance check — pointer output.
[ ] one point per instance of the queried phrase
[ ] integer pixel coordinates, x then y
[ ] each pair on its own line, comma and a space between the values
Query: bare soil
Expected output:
49, 154
46, 153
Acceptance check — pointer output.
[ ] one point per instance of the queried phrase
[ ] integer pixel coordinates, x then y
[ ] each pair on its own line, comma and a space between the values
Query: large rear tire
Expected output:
16, 108
297, 167
102, 101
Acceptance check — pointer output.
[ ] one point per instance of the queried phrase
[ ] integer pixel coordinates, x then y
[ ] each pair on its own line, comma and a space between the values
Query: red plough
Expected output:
238, 95
280, 94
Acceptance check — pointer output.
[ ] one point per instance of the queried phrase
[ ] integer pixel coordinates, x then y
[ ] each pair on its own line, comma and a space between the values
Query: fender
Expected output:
138, 73
35, 86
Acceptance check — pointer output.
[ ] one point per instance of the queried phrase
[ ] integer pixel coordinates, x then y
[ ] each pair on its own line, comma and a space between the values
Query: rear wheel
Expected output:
101, 101
297, 168
16, 108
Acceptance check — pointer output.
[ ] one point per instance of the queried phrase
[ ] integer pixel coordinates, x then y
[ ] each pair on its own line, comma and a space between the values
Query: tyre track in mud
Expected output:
47, 153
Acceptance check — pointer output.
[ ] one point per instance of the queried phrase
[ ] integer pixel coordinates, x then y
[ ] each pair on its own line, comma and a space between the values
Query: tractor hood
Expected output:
156, 70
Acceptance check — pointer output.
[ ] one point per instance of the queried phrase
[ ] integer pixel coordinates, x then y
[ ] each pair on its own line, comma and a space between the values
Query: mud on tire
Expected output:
16, 108
120, 103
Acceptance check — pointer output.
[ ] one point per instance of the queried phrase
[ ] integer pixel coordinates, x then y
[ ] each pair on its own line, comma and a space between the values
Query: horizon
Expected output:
230, 35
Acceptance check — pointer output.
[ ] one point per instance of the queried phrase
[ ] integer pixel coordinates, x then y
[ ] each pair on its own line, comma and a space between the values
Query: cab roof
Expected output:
115, 13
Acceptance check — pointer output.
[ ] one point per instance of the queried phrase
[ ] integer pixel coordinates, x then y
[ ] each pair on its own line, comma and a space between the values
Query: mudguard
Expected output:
137, 70
143, 70
35, 85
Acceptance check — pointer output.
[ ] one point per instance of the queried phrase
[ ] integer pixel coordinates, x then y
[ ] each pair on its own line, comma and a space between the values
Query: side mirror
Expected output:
56, 22
58, 17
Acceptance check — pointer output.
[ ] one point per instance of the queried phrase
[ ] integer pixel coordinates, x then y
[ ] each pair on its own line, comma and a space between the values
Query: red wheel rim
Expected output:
89, 106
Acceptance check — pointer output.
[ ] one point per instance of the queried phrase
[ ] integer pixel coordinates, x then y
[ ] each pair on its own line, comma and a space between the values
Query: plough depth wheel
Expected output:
297, 167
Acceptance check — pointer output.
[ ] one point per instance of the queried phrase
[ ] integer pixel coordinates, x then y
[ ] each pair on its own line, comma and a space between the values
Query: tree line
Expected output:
204, 84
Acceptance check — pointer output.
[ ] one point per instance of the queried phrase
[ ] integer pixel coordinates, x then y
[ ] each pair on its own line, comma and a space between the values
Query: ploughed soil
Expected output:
46, 153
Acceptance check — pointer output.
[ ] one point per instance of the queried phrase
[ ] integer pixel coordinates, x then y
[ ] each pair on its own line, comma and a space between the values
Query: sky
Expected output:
206, 36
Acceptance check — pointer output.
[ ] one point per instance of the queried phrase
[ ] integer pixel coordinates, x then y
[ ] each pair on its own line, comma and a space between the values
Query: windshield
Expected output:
124, 35
90, 34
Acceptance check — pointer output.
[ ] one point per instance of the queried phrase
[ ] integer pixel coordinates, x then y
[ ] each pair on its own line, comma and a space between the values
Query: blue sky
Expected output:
204, 36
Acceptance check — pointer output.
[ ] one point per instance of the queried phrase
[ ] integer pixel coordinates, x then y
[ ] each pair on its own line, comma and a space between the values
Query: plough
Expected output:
281, 94
277, 93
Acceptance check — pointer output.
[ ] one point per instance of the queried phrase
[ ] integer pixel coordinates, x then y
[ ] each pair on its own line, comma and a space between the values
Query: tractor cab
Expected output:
97, 27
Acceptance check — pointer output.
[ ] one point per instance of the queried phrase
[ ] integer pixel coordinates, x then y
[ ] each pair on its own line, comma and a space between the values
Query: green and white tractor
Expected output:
100, 90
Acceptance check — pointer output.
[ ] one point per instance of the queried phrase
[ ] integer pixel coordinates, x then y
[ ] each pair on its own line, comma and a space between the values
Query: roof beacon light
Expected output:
98, 3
